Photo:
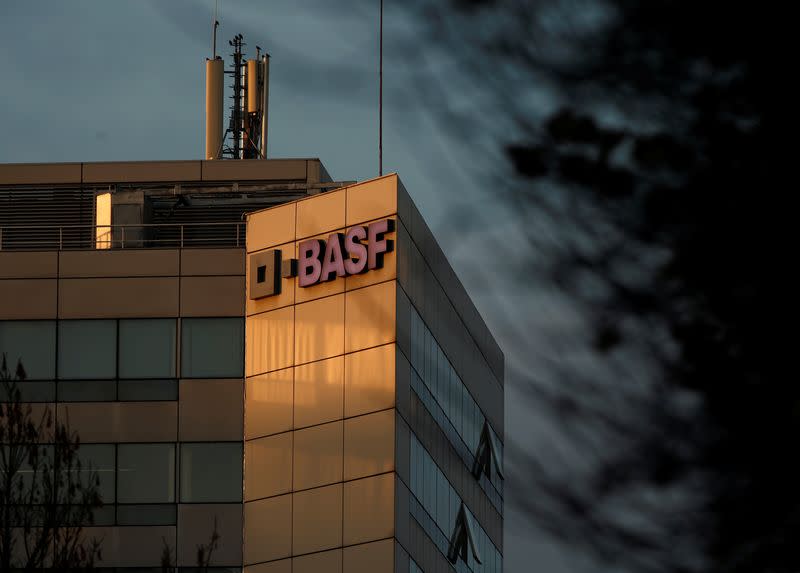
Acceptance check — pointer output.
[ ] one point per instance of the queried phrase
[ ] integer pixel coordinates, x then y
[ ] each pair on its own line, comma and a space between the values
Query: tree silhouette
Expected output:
47, 496
631, 144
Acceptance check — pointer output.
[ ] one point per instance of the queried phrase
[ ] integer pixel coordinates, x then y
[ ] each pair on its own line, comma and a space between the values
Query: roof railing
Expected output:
129, 236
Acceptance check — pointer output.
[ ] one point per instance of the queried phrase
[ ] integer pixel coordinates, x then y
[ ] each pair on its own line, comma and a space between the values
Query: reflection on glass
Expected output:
99, 460
151, 514
31, 343
319, 329
369, 380
270, 341
318, 455
211, 347
87, 349
433, 491
317, 519
147, 348
267, 530
211, 472
268, 403
369, 444
146, 473
370, 316
269, 466
369, 509
318, 393
87, 390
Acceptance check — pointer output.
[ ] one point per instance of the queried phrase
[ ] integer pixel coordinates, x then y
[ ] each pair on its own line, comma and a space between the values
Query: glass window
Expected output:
146, 473
153, 514
442, 500
212, 347
31, 343
99, 460
143, 390
147, 348
455, 503
87, 390
87, 349
211, 472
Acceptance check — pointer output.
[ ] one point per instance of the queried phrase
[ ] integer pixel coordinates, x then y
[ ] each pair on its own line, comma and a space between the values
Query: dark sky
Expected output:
102, 80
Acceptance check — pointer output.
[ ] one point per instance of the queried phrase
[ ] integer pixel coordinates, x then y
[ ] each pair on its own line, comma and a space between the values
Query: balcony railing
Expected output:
135, 236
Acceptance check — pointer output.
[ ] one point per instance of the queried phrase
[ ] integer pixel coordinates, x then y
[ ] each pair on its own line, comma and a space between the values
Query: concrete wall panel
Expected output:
141, 171
39, 173
255, 170
121, 263
196, 524
28, 265
212, 296
202, 262
118, 297
28, 299
211, 410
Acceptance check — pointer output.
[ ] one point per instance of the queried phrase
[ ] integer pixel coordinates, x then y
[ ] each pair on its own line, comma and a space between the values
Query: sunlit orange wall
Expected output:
320, 399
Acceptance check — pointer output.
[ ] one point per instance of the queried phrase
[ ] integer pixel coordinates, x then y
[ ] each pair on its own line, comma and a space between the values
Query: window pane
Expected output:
161, 514
146, 473
87, 349
211, 472
99, 459
87, 390
212, 348
147, 348
139, 390
442, 501
33, 343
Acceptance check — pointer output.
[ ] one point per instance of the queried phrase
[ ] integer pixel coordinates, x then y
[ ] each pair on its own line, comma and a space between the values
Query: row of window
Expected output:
439, 504
492, 488
162, 473
96, 390
144, 348
447, 389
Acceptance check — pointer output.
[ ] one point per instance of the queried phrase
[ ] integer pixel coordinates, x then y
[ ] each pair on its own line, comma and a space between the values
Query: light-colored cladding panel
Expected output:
320, 397
41, 173
214, 102
28, 299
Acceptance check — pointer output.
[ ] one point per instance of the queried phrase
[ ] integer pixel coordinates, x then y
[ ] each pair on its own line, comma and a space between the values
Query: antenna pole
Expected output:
216, 25
380, 98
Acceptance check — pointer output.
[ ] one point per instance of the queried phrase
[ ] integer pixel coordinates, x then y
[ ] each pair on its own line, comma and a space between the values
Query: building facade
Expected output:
250, 347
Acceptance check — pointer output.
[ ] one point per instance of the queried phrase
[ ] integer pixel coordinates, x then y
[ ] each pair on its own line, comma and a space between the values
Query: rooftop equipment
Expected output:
246, 134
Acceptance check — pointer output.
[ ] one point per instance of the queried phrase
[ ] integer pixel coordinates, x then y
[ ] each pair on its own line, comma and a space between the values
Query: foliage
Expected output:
47, 495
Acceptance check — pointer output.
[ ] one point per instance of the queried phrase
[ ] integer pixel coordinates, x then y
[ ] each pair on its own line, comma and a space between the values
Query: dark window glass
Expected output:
147, 348
87, 390
133, 390
212, 347
146, 473
99, 460
31, 343
211, 472
87, 349
151, 514
32, 391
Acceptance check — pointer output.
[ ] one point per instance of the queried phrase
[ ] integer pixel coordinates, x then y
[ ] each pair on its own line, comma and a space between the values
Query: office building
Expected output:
249, 344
